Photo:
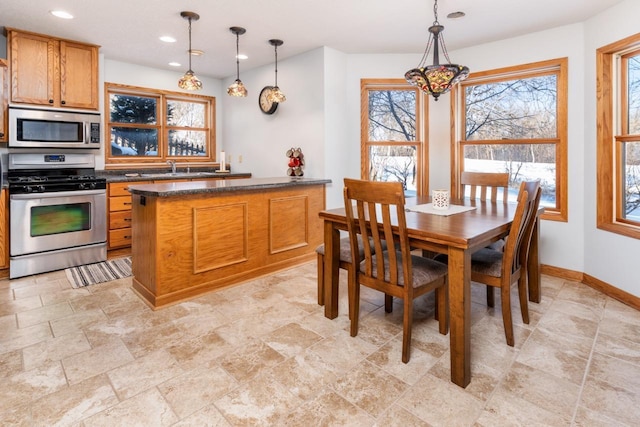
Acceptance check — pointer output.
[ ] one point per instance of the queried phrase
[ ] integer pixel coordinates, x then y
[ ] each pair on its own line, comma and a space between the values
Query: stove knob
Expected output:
92, 185
27, 189
40, 188
82, 186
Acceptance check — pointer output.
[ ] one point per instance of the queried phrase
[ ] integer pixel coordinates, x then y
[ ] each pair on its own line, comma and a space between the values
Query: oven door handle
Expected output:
31, 196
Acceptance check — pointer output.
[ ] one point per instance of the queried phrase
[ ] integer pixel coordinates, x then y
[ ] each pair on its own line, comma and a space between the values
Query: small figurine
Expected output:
296, 162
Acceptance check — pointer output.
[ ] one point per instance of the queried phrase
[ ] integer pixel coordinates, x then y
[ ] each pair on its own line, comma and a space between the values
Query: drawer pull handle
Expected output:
126, 203
127, 237
128, 219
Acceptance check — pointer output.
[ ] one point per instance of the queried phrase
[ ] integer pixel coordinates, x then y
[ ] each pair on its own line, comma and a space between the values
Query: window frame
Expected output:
559, 67
422, 125
611, 101
162, 97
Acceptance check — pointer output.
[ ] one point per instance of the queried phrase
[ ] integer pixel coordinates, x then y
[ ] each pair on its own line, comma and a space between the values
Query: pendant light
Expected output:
189, 81
437, 78
276, 95
237, 88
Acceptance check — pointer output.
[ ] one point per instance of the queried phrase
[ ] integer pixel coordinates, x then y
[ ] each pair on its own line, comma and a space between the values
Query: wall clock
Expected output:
266, 106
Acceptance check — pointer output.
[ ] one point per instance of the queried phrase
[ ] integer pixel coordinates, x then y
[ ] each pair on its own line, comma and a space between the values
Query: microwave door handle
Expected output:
87, 132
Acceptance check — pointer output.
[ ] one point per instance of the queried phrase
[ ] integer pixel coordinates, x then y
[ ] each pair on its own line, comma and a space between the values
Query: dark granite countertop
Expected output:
163, 174
220, 186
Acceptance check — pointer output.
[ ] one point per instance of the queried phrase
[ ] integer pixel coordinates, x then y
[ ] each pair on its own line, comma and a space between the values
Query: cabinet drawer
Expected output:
119, 238
120, 188
119, 220
120, 203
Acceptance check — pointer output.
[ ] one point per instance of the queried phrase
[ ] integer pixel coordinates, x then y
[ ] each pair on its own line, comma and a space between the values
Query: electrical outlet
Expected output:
240, 158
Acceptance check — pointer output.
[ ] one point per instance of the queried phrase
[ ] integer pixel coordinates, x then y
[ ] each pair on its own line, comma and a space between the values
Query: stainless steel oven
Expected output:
57, 212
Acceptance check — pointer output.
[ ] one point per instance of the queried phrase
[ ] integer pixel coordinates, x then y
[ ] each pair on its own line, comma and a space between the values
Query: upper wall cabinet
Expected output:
4, 90
53, 72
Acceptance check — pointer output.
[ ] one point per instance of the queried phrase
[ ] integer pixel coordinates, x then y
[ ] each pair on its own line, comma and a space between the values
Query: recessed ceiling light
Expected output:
197, 52
242, 56
175, 64
61, 14
455, 15
168, 39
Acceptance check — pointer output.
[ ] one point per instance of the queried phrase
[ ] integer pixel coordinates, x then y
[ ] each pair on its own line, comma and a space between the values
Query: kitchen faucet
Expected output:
173, 165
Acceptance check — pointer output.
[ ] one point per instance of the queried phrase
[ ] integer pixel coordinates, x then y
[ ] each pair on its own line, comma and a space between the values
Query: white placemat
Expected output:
428, 208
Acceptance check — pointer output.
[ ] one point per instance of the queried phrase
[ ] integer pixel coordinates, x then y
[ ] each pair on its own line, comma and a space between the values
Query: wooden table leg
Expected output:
331, 269
460, 315
533, 265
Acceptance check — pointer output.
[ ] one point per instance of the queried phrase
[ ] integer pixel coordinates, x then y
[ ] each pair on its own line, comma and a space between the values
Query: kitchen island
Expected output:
190, 238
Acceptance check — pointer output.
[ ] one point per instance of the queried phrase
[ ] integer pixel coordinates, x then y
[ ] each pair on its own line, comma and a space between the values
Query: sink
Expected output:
176, 174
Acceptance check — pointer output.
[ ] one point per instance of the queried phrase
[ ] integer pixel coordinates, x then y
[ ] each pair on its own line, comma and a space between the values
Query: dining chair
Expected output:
481, 183
396, 273
501, 268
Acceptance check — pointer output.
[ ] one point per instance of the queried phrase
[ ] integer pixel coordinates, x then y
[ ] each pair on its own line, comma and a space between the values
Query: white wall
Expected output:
263, 140
609, 257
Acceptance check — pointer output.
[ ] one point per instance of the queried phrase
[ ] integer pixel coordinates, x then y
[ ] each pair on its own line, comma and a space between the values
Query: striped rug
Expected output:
106, 271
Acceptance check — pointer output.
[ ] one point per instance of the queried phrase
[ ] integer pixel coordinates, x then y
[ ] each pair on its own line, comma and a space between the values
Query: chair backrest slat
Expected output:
480, 183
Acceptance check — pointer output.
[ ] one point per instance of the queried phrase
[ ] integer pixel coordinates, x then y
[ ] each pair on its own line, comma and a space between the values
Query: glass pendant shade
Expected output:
275, 94
237, 88
437, 78
189, 81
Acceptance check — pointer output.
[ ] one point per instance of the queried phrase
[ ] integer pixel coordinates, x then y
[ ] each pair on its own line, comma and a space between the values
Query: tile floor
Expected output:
262, 353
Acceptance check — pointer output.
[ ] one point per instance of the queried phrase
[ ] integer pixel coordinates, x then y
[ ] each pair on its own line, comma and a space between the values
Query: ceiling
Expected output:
129, 30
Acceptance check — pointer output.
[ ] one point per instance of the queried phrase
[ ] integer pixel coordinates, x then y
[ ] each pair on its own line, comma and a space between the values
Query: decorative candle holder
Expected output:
440, 199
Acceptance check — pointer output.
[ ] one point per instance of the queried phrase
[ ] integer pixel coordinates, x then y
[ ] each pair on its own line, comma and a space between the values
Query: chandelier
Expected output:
437, 78
276, 95
237, 88
189, 81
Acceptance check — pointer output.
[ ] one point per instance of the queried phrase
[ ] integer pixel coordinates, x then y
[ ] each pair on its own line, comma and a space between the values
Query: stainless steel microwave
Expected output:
46, 128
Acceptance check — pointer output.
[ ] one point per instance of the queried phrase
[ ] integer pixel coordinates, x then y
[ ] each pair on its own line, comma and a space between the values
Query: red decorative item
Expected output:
296, 162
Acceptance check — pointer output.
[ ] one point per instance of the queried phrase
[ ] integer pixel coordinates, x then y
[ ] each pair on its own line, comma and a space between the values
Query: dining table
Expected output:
467, 226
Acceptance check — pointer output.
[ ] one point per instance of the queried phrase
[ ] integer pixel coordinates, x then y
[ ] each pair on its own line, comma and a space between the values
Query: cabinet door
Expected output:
78, 75
33, 58
4, 91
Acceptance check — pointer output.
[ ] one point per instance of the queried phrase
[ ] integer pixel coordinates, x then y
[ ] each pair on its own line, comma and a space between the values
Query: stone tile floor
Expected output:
262, 353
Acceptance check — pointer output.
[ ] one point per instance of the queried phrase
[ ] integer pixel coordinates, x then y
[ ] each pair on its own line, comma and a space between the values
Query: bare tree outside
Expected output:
511, 126
630, 167
392, 120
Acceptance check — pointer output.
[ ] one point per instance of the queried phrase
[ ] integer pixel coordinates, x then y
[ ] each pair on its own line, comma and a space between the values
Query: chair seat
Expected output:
487, 261
345, 249
424, 270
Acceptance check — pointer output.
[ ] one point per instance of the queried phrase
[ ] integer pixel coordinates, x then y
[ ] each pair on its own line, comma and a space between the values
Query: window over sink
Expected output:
150, 126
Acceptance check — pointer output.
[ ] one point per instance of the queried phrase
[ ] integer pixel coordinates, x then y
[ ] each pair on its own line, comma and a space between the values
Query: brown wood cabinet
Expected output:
4, 92
119, 235
185, 245
51, 71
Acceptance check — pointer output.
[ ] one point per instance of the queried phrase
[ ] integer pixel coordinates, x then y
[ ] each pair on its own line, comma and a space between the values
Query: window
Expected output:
152, 126
515, 120
393, 142
618, 136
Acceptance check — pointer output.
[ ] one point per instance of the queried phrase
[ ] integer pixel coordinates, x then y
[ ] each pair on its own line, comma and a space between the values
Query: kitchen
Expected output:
318, 119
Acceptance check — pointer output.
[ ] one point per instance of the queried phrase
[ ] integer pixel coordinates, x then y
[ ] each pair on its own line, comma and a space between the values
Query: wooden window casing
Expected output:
557, 67
421, 129
162, 127
612, 134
